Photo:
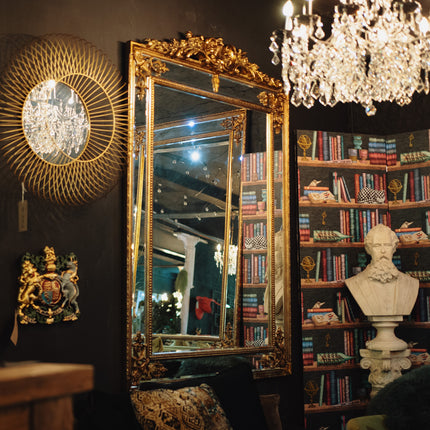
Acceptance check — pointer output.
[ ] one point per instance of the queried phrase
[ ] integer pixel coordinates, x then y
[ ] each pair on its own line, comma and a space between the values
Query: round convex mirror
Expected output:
55, 122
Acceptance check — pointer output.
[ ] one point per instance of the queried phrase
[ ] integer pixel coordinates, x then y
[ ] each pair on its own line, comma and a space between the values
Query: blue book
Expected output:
417, 184
329, 265
333, 388
326, 150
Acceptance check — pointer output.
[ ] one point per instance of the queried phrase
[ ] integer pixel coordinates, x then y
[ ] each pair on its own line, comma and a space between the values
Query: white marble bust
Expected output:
381, 289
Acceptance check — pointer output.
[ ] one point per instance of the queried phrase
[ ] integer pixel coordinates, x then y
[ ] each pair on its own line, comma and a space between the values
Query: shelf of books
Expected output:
254, 247
348, 183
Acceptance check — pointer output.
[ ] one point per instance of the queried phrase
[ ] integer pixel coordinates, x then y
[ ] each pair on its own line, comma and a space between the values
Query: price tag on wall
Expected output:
22, 212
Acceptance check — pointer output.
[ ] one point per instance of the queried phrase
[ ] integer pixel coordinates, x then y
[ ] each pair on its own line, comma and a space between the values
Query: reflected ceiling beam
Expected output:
197, 215
191, 230
203, 191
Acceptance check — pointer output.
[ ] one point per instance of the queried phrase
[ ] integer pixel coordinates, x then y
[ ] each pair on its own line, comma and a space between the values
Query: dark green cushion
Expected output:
405, 401
369, 422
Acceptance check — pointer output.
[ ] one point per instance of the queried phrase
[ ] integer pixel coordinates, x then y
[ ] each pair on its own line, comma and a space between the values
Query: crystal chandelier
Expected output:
378, 50
232, 258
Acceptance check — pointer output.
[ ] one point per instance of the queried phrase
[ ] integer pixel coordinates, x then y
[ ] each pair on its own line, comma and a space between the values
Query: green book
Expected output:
405, 186
321, 389
317, 266
314, 144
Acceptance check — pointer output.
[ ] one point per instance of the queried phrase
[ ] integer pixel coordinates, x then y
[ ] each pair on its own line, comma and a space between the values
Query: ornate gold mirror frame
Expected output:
63, 119
218, 74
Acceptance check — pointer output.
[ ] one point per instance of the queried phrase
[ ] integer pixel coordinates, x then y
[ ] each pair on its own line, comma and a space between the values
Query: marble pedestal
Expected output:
386, 355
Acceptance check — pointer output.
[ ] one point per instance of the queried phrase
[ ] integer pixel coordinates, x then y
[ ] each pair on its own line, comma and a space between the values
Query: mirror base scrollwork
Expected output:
278, 359
142, 368
227, 341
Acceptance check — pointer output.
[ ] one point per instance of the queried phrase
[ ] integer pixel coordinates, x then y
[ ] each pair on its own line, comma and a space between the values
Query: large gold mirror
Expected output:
208, 206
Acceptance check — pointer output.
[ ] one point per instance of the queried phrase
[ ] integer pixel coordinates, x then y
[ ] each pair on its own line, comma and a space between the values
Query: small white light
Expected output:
287, 10
191, 123
195, 156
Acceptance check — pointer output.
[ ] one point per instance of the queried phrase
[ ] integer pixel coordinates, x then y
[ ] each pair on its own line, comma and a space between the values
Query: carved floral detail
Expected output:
213, 54
275, 102
235, 123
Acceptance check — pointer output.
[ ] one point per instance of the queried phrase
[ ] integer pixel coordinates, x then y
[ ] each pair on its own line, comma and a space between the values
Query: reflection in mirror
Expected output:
195, 189
56, 124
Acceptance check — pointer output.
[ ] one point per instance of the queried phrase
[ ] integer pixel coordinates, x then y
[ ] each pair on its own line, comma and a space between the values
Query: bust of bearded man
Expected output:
381, 289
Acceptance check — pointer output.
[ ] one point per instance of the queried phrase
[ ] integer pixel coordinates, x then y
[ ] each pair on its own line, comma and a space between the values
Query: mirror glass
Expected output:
56, 124
196, 153
202, 267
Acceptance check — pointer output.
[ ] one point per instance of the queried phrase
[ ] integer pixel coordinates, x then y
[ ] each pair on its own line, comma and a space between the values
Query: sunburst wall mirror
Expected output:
63, 119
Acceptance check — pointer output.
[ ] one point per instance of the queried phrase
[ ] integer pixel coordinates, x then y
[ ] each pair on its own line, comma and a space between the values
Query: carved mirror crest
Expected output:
199, 113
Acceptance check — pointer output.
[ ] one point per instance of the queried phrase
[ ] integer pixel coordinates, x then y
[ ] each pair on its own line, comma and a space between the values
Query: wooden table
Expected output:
38, 396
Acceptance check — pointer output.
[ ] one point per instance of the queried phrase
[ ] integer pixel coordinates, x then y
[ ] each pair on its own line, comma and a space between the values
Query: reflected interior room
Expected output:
184, 189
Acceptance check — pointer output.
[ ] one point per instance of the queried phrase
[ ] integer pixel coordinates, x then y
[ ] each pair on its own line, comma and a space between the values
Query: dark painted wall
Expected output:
95, 232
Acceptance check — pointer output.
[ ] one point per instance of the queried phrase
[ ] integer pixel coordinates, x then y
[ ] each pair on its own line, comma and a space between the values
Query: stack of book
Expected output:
377, 151
304, 228
249, 202
320, 312
410, 234
308, 350
250, 305
391, 152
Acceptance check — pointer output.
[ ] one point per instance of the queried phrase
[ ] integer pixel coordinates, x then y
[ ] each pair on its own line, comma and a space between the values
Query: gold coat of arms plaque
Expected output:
48, 288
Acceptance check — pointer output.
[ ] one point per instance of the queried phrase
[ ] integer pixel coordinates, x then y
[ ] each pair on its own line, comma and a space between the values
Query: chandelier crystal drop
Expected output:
378, 50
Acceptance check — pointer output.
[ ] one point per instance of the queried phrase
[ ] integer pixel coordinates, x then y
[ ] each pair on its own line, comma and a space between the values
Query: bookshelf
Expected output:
254, 246
347, 183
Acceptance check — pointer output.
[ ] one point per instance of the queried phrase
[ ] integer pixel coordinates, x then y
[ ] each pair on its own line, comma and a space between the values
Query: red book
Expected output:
398, 230
356, 185
264, 166
348, 226
376, 178
384, 186
302, 307
327, 389
320, 145
411, 186
324, 265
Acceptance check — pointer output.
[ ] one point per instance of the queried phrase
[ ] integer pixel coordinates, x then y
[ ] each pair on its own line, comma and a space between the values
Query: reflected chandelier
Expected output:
232, 258
378, 50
